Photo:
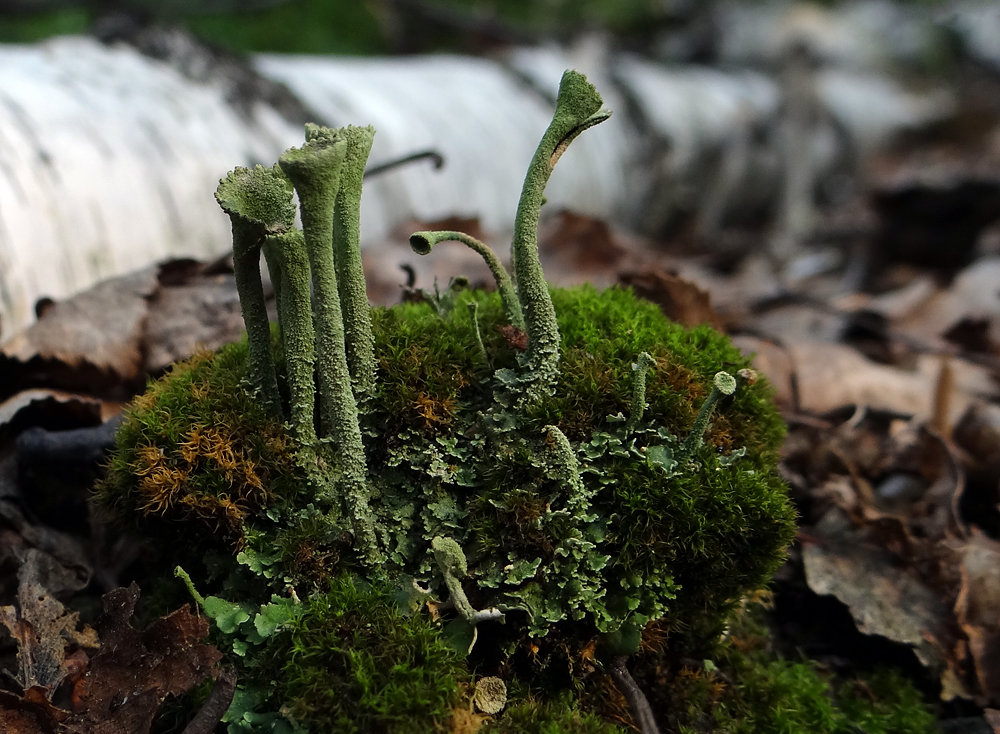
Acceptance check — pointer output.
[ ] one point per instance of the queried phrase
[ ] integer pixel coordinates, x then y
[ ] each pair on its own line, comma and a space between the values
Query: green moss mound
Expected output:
350, 662
645, 539
594, 535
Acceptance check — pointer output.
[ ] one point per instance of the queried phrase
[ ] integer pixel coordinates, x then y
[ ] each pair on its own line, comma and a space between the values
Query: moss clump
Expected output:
196, 447
559, 716
350, 662
567, 487
747, 687
658, 541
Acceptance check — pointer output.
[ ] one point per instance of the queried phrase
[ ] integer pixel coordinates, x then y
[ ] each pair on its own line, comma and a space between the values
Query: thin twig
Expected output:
637, 701
215, 706
436, 159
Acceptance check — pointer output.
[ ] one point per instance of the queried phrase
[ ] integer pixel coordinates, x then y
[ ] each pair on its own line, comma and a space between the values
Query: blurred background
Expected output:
821, 180
741, 129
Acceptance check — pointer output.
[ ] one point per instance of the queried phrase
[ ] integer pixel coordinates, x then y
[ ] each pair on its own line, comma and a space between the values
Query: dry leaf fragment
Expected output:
42, 628
680, 299
90, 341
977, 609
883, 597
201, 313
831, 376
135, 670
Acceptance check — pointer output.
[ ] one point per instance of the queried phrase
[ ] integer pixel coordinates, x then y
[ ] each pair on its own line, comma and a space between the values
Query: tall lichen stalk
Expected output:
311, 286
578, 107
323, 308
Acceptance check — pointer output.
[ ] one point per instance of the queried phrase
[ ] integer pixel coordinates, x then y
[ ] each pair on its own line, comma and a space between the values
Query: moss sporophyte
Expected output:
526, 483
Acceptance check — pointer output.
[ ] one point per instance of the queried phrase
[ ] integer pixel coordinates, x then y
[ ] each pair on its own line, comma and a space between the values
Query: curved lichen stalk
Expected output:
423, 242
723, 385
578, 107
259, 202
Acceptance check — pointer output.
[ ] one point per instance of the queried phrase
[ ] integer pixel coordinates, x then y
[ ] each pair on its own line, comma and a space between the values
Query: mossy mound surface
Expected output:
641, 538
648, 526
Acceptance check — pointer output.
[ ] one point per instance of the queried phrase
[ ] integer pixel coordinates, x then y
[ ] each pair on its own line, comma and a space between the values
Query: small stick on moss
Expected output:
258, 201
358, 336
642, 712
480, 347
578, 107
639, 371
423, 242
216, 705
723, 384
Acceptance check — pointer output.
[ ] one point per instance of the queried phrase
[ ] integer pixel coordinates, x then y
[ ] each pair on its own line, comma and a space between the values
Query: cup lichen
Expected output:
496, 484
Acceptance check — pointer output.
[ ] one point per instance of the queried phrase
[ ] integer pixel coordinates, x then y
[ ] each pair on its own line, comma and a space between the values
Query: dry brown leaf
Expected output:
992, 717
681, 300
977, 610
197, 310
884, 597
90, 341
972, 294
832, 376
41, 626
169, 657
42, 406
575, 248
772, 361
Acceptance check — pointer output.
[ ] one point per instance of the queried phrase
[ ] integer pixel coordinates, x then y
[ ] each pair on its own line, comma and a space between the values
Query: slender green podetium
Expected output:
533, 479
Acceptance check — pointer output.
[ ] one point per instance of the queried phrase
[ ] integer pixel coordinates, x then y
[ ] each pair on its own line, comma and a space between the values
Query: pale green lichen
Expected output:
423, 242
315, 171
578, 107
347, 258
480, 347
723, 385
642, 365
258, 201
289, 263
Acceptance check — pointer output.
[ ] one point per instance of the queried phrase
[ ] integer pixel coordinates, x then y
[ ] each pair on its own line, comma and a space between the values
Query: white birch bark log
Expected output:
109, 159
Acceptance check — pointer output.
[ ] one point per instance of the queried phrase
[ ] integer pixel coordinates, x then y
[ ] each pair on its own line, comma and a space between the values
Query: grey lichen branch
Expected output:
578, 107
568, 468
290, 269
642, 712
423, 242
315, 170
451, 561
640, 369
360, 340
723, 385
259, 202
